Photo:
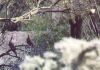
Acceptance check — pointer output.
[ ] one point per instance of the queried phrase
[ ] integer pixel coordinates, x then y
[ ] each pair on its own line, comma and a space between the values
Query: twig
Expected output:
6, 53
4, 65
80, 58
35, 11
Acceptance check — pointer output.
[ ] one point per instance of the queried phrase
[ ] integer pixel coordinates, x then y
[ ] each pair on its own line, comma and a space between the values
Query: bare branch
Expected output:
35, 11
14, 56
82, 54
4, 65
6, 53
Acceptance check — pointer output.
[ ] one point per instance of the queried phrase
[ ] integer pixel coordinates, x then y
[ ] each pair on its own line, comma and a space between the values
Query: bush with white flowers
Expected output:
75, 54
40, 63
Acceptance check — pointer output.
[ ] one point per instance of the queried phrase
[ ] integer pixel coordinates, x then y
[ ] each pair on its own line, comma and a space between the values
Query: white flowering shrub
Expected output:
40, 63
79, 54
31, 63
75, 54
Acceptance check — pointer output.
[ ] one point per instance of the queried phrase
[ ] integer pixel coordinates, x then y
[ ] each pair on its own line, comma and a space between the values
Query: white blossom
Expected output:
49, 54
31, 63
50, 65
70, 48
28, 66
92, 10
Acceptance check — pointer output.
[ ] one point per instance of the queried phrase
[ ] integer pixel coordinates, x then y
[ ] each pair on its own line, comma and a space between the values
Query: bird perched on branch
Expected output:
12, 47
29, 41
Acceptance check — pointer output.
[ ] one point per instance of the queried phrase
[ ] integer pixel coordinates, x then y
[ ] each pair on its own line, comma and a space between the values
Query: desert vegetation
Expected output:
49, 34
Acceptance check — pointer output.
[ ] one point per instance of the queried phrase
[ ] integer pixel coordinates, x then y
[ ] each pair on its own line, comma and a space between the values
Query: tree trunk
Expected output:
76, 27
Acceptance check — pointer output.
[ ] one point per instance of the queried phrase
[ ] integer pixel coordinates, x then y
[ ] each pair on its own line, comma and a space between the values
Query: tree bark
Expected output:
76, 27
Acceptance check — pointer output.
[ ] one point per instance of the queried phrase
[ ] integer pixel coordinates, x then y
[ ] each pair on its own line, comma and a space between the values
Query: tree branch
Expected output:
34, 11
6, 53
4, 65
